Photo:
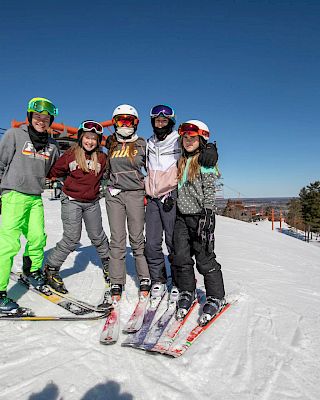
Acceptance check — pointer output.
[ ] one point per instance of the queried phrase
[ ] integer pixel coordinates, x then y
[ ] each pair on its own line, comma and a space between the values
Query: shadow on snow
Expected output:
109, 390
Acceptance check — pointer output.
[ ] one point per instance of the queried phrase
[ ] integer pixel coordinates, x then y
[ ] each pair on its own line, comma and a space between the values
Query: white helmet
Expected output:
202, 131
125, 109
199, 124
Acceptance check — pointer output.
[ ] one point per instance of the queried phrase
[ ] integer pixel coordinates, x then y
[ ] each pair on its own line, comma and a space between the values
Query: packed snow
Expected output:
265, 347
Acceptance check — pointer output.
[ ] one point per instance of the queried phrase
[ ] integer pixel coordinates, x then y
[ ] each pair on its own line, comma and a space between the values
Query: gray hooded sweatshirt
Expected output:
22, 168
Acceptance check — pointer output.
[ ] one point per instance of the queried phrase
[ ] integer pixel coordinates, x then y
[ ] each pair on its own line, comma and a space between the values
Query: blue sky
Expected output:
248, 69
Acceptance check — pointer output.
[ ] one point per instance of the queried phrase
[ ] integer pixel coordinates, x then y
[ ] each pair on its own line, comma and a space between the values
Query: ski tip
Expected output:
107, 342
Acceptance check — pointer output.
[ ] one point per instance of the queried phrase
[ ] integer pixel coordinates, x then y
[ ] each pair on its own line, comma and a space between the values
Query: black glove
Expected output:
168, 204
208, 156
206, 227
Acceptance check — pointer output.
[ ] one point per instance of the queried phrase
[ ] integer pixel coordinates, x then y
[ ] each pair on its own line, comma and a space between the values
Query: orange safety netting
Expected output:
63, 131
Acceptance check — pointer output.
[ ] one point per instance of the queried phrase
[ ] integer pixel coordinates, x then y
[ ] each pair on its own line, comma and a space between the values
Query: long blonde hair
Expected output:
194, 167
113, 143
82, 161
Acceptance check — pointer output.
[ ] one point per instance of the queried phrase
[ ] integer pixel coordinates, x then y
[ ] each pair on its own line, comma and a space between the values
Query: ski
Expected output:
136, 339
172, 330
176, 350
159, 326
29, 316
110, 330
19, 312
136, 319
74, 306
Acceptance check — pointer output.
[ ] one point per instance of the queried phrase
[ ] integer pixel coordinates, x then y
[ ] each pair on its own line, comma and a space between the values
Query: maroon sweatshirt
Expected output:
80, 185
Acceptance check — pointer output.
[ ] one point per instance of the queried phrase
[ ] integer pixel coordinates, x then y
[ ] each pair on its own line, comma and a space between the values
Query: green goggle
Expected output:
41, 106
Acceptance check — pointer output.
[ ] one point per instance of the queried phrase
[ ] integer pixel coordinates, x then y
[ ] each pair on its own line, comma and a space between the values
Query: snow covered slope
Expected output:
266, 347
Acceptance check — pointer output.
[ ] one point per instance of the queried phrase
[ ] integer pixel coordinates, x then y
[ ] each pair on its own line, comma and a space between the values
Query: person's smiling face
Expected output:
40, 122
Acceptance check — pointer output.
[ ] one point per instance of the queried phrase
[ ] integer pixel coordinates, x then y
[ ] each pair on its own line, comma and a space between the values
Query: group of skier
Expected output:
175, 198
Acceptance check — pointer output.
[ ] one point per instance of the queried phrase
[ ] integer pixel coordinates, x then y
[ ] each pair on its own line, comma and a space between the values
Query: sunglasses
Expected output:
192, 130
42, 105
89, 126
125, 120
162, 109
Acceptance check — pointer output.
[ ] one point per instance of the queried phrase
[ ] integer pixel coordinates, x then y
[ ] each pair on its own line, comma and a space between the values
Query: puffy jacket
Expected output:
162, 157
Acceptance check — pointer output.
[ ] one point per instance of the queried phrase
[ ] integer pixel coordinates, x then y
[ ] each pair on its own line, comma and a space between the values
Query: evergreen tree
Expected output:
310, 205
294, 217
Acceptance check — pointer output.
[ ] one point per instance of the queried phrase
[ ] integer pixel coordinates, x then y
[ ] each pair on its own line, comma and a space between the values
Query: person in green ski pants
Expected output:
27, 154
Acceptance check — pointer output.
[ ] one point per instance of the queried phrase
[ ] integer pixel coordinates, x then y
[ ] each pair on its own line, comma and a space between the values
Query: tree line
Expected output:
304, 211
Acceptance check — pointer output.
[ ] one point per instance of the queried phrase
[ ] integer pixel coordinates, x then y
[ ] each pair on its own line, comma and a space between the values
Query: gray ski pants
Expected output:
157, 222
126, 206
72, 213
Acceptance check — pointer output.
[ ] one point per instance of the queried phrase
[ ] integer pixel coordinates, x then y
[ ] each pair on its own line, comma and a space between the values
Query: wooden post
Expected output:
280, 218
272, 218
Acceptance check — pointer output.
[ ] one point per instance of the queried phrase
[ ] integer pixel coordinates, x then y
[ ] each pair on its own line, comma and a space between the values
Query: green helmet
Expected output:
42, 106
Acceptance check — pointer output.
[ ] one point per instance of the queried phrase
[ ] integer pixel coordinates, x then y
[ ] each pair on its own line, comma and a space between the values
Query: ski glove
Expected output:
206, 227
168, 204
208, 156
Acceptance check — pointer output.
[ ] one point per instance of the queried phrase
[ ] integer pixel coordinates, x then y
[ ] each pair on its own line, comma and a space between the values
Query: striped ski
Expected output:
159, 327
28, 315
136, 339
176, 350
76, 307
136, 319
172, 330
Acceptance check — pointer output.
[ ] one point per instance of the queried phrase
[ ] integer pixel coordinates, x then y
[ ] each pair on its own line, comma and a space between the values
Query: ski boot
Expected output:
145, 286
116, 289
211, 308
184, 303
54, 280
105, 269
174, 294
158, 289
7, 306
115, 292
34, 278
106, 301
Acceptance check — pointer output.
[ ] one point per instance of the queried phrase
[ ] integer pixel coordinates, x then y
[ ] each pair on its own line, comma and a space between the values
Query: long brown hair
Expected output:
194, 167
82, 161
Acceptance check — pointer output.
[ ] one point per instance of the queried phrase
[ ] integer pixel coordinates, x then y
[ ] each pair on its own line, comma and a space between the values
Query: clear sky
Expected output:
248, 69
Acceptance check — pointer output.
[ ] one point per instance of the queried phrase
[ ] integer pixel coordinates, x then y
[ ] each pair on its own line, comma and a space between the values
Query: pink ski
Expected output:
110, 331
178, 350
169, 335
136, 319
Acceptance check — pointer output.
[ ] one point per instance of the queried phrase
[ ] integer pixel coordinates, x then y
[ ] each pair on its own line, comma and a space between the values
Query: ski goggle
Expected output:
125, 120
166, 111
192, 130
41, 106
89, 126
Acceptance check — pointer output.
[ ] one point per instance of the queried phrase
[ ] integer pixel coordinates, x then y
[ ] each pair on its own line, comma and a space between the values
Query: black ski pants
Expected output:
186, 245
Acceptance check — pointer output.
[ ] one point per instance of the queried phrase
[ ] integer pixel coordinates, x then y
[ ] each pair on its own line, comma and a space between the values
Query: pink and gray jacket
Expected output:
162, 157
